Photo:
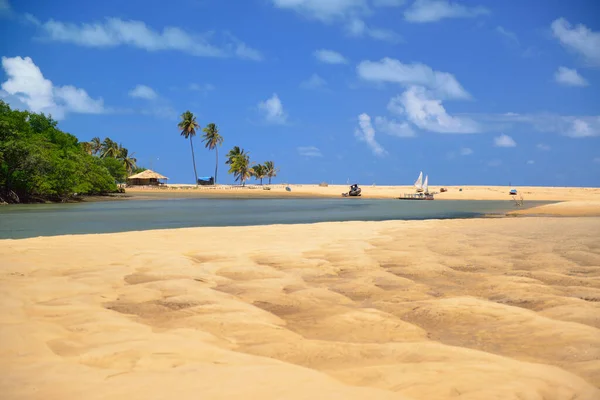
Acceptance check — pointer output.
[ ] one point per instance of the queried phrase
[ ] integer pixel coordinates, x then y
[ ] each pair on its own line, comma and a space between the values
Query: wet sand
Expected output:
472, 309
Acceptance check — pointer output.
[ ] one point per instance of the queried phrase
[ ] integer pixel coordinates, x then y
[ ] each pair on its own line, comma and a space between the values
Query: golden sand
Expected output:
378, 192
470, 309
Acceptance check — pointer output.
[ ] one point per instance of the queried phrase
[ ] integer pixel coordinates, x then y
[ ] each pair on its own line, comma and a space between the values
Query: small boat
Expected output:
513, 192
419, 183
422, 190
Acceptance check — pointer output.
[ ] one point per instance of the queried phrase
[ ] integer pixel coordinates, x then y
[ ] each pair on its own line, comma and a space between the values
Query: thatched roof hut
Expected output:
147, 177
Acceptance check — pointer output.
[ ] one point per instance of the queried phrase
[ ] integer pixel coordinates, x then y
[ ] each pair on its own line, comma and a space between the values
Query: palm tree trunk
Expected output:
194, 161
216, 164
269, 180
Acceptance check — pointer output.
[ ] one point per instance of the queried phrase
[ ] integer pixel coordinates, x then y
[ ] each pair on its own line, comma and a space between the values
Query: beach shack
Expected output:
146, 178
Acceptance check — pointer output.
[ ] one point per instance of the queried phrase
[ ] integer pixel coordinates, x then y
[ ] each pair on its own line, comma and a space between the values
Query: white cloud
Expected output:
543, 147
330, 57
494, 163
115, 32
358, 28
428, 113
391, 70
309, 151
511, 37
465, 151
272, 109
315, 82
569, 77
394, 128
435, 10
504, 141
27, 84
581, 128
579, 39
366, 133
143, 92
530, 162
324, 10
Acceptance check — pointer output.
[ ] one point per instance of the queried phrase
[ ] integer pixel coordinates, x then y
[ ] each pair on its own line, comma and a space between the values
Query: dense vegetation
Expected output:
238, 159
39, 162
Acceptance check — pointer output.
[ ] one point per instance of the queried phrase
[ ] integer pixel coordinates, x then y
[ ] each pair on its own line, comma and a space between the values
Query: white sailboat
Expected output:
426, 185
419, 183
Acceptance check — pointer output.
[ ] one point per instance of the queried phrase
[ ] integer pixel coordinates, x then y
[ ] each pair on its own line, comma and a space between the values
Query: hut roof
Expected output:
147, 174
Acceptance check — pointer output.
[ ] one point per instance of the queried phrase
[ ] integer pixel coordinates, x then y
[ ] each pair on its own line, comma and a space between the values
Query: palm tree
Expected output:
270, 170
212, 139
188, 126
109, 149
128, 160
96, 145
259, 172
240, 167
87, 147
233, 153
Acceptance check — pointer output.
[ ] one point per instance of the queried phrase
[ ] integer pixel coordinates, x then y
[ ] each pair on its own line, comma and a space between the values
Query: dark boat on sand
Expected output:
354, 191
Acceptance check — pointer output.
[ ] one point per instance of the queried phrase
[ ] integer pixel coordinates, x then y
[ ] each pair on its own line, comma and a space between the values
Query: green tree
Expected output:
212, 140
188, 126
109, 149
116, 168
233, 153
270, 170
96, 145
86, 147
259, 171
240, 167
127, 159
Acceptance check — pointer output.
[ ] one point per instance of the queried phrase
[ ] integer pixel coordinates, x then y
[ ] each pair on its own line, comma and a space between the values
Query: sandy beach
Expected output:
532, 193
473, 309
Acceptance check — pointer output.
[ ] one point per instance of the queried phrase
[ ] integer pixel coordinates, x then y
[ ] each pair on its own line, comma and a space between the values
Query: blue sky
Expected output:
374, 91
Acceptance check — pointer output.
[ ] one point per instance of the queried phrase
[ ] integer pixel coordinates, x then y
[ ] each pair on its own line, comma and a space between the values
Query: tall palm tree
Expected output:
188, 126
271, 171
259, 172
212, 139
233, 153
128, 160
96, 145
240, 167
109, 149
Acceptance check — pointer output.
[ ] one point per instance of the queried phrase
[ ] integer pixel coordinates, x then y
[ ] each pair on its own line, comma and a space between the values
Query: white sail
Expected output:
426, 184
419, 182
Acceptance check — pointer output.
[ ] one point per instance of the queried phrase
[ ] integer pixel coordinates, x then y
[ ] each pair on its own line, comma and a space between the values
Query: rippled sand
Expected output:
470, 309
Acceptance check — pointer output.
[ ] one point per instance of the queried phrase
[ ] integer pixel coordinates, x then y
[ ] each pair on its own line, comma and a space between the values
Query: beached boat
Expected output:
422, 188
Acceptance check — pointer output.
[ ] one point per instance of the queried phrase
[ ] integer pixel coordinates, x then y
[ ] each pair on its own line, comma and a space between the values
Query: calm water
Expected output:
22, 221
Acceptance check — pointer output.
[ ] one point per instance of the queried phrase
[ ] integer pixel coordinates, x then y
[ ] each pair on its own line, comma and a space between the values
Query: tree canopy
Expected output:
39, 162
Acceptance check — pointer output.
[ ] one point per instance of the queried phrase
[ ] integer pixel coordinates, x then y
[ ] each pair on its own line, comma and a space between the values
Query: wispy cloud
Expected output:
309, 151
530, 162
465, 151
569, 77
394, 128
315, 82
330, 57
272, 110
579, 39
543, 147
113, 32
428, 113
434, 10
349, 13
143, 92
509, 36
27, 84
5, 8
391, 70
504, 141
366, 133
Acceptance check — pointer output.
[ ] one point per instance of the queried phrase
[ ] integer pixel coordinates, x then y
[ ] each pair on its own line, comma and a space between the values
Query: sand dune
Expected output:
474, 309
